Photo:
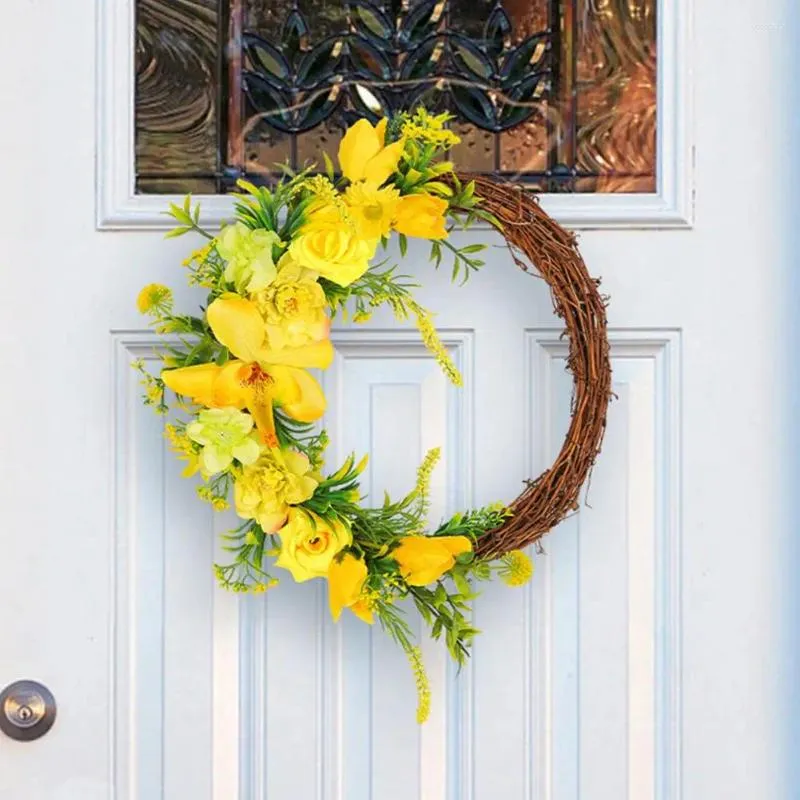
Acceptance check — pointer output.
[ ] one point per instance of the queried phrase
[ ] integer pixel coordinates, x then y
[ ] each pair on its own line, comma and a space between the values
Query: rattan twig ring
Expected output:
539, 243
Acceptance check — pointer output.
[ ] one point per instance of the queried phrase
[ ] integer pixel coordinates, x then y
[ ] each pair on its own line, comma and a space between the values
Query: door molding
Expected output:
118, 207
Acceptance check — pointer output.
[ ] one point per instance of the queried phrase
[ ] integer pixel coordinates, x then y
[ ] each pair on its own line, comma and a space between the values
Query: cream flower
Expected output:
248, 252
225, 434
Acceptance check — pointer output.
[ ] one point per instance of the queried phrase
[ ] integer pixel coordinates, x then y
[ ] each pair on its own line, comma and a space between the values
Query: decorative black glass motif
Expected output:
557, 94
386, 61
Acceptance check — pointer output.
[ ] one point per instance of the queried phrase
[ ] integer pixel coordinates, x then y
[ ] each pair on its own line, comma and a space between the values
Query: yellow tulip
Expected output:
421, 215
424, 559
346, 579
259, 376
364, 156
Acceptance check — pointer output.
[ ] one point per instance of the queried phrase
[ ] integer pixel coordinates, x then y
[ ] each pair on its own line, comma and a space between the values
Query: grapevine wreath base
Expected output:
537, 239
243, 401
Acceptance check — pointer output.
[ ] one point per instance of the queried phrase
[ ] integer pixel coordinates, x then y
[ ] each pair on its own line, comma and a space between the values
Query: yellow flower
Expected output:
424, 559
309, 543
259, 376
429, 128
328, 244
431, 340
517, 568
266, 490
421, 680
364, 155
181, 445
224, 435
293, 307
155, 298
346, 578
421, 215
371, 209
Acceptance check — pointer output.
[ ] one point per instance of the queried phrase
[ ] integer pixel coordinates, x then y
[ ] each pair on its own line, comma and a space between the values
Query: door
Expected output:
644, 661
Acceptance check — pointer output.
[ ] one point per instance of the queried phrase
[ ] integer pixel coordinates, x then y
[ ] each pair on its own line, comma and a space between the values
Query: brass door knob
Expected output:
27, 710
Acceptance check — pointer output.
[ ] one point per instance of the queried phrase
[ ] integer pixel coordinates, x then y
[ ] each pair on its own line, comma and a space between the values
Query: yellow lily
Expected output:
345, 586
259, 376
424, 559
364, 156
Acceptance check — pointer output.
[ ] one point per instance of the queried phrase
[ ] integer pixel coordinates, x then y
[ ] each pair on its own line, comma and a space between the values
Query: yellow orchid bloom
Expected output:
424, 559
345, 586
259, 376
364, 156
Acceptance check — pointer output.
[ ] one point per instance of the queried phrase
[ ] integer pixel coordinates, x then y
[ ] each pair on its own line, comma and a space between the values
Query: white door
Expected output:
645, 660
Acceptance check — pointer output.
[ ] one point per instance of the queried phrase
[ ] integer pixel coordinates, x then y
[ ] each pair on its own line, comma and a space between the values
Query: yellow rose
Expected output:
328, 244
293, 307
346, 577
424, 559
266, 490
421, 215
309, 543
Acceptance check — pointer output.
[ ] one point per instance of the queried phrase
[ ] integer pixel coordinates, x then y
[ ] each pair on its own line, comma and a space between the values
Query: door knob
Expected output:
27, 710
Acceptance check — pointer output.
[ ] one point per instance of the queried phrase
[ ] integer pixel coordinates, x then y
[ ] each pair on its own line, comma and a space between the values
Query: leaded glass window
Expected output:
557, 94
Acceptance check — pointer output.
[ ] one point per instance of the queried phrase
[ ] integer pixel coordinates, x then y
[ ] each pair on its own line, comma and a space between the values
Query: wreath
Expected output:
243, 403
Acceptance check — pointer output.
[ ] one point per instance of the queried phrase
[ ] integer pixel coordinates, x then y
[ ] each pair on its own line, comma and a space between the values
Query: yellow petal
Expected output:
424, 559
380, 130
362, 611
317, 355
345, 581
260, 405
237, 324
358, 146
456, 545
208, 384
299, 393
382, 165
228, 387
196, 382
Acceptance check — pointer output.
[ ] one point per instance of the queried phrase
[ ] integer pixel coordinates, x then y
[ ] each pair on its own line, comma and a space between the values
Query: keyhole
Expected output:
25, 713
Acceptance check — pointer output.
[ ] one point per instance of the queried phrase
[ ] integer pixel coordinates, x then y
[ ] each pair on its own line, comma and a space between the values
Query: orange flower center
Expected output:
254, 377
317, 542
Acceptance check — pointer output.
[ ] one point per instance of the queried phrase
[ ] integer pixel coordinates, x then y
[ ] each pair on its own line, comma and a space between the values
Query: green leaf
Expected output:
403, 242
439, 596
175, 232
436, 187
462, 584
223, 356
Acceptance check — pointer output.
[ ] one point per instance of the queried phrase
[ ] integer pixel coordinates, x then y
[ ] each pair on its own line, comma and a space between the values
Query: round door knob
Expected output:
27, 710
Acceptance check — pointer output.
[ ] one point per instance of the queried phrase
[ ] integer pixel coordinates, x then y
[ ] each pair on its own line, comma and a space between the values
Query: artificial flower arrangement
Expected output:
297, 255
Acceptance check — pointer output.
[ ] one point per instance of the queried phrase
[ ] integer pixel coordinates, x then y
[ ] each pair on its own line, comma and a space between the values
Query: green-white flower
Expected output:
248, 252
225, 434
